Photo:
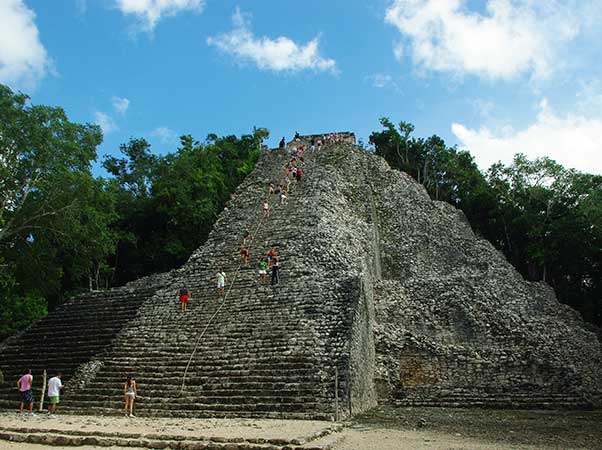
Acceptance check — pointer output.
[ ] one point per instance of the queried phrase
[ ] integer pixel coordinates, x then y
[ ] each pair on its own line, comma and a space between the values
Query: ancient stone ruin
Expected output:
385, 296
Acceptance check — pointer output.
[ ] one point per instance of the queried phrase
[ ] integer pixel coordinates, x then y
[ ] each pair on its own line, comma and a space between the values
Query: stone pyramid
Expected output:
385, 296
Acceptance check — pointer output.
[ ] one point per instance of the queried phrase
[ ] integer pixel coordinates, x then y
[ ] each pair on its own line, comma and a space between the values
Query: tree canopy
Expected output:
63, 230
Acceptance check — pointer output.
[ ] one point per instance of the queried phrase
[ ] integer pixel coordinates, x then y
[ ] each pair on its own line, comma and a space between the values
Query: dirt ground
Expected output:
388, 428
381, 429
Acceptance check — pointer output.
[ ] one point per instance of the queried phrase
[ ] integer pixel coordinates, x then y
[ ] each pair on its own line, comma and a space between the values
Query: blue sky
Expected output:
493, 76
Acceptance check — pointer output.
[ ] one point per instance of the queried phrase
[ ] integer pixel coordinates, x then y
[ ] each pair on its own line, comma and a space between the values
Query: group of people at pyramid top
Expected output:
317, 141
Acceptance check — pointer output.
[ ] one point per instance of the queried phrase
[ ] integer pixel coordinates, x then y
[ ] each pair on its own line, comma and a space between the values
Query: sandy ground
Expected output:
381, 429
197, 428
387, 439
454, 428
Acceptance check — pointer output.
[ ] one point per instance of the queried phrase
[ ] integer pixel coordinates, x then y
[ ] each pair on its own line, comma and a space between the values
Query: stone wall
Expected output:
362, 392
457, 325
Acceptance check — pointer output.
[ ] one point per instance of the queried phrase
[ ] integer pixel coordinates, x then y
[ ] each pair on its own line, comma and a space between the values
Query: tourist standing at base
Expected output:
183, 296
220, 278
266, 209
54, 391
24, 385
129, 395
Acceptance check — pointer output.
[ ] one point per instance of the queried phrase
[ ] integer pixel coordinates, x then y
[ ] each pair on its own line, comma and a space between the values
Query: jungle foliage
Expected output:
64, 230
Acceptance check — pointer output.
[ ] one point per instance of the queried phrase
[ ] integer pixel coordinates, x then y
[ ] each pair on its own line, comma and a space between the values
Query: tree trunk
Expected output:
97, 275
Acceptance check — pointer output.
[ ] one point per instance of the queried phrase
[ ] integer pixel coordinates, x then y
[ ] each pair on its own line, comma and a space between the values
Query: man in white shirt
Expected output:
54, 392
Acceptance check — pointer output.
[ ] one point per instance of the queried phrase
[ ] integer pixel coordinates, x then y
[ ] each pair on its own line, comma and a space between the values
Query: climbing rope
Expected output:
234, 278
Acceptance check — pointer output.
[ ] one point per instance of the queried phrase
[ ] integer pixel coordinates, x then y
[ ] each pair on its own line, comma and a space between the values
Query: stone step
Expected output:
70, 440
145, 436
313, 379
317, 414
219, 360
152, 398
214, 349
219, 387
267, 404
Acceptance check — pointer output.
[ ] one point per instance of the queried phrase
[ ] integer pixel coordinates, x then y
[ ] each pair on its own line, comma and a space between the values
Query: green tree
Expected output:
49, 224
167, 205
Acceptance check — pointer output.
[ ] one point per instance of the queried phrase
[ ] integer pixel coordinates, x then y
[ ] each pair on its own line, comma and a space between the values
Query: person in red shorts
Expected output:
184, 296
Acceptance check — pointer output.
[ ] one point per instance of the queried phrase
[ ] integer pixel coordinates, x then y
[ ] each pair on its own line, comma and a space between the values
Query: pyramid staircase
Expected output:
257, 356
68, 337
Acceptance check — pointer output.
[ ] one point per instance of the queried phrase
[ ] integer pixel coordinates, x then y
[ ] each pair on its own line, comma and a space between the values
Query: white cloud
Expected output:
106, 122
512, 37
280, 54
121, 104
573, 140
166, 135
149, 12
23, 58
383, 81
